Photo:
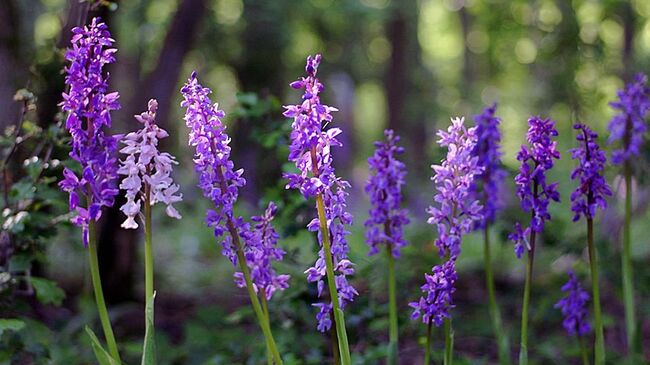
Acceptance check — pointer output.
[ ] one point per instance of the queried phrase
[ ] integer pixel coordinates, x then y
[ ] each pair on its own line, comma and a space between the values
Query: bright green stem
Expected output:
336, 354
449, 343
599, 347
261, 318
392, 310
265, 308
583, 352
148, 257
99, 294
523, 351
495, 313
628, 281
339, 320
427, 349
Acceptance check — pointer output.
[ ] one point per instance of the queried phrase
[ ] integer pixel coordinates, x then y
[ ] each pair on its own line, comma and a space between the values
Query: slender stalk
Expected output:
257, 308
583, 351
523, 351
336, 354
427, 349
599, 347
265, 308
495, 313
449, 343
148, 262
628, 281
241, 259
99, 294
329, 268
392, 308
339, 320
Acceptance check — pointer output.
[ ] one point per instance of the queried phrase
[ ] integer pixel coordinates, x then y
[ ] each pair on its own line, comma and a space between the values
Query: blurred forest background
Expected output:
407, 65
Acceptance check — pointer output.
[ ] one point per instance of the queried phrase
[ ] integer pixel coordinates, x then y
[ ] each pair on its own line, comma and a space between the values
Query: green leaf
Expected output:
20, 262
149, 346
102, 355
11, 324
47, 292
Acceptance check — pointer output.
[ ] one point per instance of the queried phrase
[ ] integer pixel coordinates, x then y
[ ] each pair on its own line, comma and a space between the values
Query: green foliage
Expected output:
47, 292
101, 354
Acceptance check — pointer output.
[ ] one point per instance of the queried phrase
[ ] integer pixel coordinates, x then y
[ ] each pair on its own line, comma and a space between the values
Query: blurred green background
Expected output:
406, 65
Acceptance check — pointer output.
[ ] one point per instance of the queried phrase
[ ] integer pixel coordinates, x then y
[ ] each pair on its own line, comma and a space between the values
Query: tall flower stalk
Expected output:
629, 127
488, 190
385, 226
455, 214
310, 150
88, 105
147, 181
586, 199
574, 310
220, 183
535, 194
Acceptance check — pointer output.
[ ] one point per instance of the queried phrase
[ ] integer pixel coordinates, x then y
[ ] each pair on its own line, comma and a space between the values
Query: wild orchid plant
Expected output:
468, 196
574, 310
385, 226
535, 194
455, 214
628, 128
310, 150
590, 195
88, 105
488, 188
252, 250
147, 181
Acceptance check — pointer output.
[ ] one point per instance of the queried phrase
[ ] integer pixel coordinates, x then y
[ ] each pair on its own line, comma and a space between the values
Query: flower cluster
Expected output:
629, 125
386, 222
310, 151
261, 250
146, 164
590, 194
574, 307
532, 188
88, 105
457, 210
434, 305
489, 158
217, 178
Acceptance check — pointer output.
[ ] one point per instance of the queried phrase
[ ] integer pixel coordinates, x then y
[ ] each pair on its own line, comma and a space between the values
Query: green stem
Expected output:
628, 281
523, 351
265, 309
427, 349
599, 347
339, 320
99, 294
583, 351
148, 260
261, 318
392, 310
449, 342
336, 354
495, 313
331, 283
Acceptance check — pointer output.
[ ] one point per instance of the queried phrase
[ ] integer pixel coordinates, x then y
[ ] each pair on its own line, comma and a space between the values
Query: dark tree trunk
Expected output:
161, 82
10, 68
117, 247
628, 41
259, 71
403, 80
396, 79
